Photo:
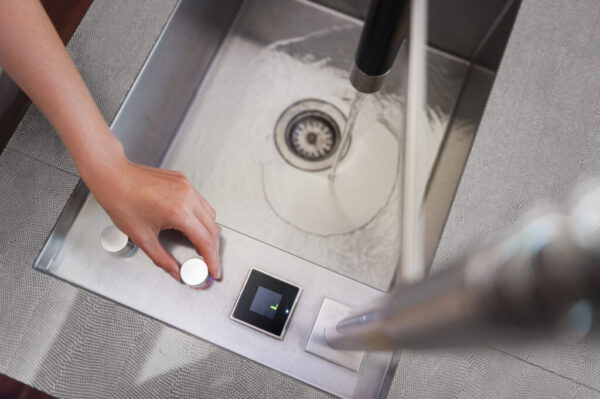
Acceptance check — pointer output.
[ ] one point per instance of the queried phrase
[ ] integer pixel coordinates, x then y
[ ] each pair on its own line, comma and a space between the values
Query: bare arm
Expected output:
140, 200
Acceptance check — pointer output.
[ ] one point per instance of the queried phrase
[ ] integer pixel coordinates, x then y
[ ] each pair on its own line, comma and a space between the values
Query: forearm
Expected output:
32, 53
142, 201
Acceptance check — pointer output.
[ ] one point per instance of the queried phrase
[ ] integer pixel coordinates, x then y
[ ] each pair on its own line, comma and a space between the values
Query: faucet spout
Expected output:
384, 30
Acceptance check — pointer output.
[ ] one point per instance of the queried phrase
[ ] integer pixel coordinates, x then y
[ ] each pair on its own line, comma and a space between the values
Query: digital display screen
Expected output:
266, 302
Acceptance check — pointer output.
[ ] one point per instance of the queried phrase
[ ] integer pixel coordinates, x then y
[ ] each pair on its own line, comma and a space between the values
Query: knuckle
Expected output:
181, 216
182, 193
178, 174
187, 192
180, 208
169, 204
178, 203
185, 184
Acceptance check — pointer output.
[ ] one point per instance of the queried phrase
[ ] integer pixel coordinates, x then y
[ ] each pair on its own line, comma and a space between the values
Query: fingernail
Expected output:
175, 276
218, 276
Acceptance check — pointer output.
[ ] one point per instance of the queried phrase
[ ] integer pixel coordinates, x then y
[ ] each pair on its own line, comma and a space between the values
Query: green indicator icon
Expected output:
274, 307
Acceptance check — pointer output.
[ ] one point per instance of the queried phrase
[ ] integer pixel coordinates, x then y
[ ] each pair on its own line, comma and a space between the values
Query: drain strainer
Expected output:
308, 134
312, 136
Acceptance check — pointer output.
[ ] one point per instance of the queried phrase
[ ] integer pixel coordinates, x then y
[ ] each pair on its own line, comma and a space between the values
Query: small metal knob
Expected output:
194, 273
116, 242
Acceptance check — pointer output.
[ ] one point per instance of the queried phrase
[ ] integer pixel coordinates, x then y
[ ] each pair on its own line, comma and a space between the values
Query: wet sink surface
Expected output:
226, 145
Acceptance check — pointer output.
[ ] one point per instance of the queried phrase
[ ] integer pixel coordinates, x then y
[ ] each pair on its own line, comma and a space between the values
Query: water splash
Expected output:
237, 162
347, 133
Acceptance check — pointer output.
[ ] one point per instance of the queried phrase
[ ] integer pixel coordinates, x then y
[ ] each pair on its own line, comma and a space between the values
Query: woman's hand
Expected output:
142, 201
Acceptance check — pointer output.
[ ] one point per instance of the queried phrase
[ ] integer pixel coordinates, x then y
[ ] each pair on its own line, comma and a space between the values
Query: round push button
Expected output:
116, 242
194, 273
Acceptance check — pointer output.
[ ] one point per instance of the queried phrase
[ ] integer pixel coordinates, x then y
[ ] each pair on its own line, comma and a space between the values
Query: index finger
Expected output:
206, 242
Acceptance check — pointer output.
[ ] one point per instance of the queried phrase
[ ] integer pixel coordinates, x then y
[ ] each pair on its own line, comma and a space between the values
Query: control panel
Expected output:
266, 303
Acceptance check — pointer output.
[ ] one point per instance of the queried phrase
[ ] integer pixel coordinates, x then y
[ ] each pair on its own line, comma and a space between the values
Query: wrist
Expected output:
101, 163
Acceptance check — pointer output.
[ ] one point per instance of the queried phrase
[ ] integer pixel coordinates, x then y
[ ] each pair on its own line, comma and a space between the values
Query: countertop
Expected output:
538, 136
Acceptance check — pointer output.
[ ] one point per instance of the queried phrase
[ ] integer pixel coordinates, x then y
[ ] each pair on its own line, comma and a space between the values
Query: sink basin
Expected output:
207, 103
226, 145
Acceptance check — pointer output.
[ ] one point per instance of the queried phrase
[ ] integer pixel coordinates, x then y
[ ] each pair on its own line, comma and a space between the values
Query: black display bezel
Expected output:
275, 326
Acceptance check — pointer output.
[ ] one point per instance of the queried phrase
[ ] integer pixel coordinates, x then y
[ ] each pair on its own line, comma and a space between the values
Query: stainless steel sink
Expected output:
226, 143
207, 103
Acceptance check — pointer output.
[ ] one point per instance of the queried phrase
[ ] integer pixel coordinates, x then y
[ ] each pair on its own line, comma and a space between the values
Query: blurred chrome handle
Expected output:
543, 279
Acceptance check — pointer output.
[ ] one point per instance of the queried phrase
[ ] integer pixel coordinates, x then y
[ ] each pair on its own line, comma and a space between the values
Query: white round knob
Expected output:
116, 242
194, 273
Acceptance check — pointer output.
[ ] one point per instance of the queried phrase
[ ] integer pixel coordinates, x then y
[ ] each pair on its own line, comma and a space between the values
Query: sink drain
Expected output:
308, 134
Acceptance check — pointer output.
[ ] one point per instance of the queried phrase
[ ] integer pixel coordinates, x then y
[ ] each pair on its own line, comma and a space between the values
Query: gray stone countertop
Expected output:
539, 135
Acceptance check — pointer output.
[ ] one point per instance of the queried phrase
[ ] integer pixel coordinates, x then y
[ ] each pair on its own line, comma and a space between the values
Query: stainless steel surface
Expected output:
134, 281
491, 48
163, 91
291, 314
452, 157
242, 174
160, 105
366, 83
55, 241
116, 242
307, 134
453, 154
492, 28
460, 26
355, 8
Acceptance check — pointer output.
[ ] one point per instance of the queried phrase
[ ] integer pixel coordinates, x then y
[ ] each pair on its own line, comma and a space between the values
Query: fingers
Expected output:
206, 239
206, 206
191, 201
157, 253
207, 216
185, 210
163, 199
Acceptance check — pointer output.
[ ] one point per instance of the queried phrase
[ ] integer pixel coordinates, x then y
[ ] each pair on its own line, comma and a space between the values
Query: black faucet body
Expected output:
382, 35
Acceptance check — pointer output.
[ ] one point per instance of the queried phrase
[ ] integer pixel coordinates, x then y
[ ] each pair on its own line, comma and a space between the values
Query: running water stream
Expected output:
347, 132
